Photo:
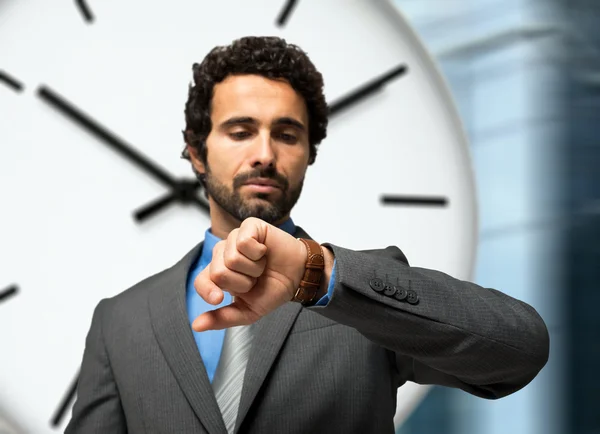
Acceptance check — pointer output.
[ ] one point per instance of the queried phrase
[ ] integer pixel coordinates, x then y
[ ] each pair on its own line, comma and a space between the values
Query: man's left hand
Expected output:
260, 265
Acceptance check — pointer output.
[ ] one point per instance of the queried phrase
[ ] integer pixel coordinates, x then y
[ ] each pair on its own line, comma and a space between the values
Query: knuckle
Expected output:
221, 281
232, 260
244, 241
218, 275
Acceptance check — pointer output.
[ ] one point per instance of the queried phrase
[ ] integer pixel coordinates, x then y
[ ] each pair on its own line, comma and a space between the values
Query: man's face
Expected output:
257, 149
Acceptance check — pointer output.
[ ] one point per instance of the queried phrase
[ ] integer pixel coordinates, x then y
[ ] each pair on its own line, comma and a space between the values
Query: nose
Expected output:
263, 153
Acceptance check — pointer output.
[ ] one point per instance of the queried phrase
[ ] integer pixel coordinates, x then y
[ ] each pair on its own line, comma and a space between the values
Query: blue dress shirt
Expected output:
210, 342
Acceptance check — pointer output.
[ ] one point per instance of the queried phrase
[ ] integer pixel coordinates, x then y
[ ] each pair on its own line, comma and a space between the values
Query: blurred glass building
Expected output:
582, 243
511, 67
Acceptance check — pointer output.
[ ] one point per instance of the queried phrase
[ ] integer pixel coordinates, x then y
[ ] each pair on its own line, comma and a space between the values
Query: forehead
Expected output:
258, 97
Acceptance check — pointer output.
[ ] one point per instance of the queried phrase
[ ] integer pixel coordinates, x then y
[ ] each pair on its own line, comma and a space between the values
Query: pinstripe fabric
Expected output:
229, 376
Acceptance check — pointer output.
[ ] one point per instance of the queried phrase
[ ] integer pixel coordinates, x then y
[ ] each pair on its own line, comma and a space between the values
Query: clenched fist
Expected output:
260, 265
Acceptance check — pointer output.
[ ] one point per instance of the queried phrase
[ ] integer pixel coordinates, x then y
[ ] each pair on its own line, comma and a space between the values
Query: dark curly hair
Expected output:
269, 57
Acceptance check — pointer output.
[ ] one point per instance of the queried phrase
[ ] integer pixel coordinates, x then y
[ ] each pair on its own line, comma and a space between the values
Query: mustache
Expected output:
269, 172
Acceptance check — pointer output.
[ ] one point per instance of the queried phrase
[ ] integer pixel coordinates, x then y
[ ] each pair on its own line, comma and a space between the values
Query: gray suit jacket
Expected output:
331, 369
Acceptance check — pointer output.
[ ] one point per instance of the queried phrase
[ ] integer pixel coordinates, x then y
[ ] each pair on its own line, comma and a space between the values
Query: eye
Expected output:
239, 135
288, 138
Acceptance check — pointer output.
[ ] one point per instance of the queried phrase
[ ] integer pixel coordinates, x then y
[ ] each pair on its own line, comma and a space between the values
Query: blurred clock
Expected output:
95, 196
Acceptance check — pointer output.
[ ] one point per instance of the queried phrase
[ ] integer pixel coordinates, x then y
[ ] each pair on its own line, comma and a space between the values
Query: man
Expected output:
261, 330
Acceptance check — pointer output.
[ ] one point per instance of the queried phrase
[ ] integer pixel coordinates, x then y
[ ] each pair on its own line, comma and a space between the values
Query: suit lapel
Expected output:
170, 324
271, 332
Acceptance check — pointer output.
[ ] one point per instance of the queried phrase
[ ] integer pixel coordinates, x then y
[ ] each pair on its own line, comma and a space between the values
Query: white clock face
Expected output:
67, 233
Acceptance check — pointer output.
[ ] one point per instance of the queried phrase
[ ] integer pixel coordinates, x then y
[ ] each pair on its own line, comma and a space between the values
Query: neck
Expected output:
222, 223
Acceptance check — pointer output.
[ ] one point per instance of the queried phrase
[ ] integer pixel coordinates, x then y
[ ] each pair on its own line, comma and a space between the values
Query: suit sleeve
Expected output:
456, 334
98, 406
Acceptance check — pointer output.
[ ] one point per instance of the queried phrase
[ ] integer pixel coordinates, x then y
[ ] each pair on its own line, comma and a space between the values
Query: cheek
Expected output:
297, 172
223, 171
220, 164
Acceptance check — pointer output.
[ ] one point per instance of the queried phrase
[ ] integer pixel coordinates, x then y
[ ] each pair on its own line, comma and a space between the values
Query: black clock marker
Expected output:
180, 188
366, 90
414, 200
85, 10
6, 293
65, 403
10, 81
286, 12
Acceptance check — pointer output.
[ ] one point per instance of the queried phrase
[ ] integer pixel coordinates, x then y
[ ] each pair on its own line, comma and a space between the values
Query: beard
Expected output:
265, 206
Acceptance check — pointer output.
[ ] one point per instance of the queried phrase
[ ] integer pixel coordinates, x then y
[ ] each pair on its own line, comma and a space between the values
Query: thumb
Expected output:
234, 314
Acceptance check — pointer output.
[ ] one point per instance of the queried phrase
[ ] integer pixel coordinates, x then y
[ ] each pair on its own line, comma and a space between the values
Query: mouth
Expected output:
262, 185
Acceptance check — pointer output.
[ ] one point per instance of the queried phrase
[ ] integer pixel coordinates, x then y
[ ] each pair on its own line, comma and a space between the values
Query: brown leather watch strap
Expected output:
311, 281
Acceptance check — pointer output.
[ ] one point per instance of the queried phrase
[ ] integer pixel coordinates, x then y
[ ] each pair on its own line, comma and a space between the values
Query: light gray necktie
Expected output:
229, 376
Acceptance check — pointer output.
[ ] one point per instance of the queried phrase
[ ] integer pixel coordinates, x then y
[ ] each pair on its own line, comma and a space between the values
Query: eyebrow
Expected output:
290, 122
245, 120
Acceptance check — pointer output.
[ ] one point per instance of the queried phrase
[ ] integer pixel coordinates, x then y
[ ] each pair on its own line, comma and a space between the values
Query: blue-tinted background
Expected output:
525, 75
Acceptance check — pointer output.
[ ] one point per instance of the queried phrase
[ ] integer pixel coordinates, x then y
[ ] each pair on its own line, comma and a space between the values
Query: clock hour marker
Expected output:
85, 10
286, 12
366, 89
8, 292
65, 403
414, 200
10, 81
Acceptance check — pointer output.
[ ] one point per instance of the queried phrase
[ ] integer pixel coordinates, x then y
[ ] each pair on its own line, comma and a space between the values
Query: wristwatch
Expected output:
308, 289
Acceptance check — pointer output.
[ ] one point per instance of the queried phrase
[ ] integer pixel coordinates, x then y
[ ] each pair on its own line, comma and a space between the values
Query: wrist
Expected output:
309, 289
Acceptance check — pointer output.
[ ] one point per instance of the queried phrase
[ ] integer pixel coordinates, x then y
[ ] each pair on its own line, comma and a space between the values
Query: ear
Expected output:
196, 161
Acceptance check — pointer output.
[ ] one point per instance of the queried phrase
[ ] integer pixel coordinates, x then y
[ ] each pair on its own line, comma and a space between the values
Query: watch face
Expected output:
93, 189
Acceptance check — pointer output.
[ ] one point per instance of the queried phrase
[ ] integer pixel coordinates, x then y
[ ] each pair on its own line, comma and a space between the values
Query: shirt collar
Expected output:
210, 240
